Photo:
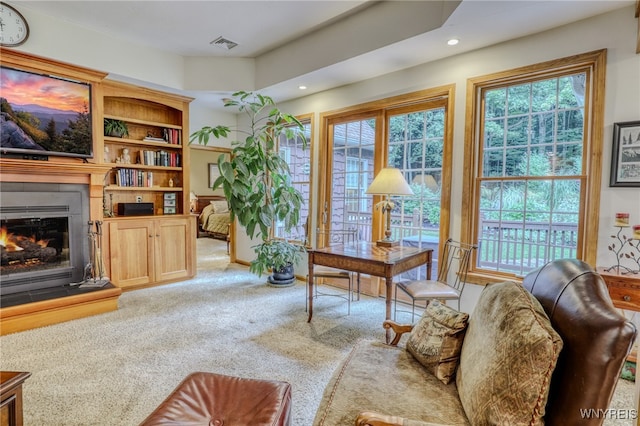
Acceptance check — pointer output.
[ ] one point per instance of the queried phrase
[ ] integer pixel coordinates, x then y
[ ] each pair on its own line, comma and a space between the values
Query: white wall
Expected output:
200, 116
57, 39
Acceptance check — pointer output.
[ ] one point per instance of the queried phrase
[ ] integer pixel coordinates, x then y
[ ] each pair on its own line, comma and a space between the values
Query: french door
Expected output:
412, 138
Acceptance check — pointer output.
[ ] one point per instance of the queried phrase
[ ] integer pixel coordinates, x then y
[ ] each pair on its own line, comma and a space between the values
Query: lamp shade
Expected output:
389, 181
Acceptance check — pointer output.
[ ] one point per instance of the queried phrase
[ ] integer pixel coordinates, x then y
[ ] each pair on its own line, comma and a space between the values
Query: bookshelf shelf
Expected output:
144, 188
144, 167
136, 142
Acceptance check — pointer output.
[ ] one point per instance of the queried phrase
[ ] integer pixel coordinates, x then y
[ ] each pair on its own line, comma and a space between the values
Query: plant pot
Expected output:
116, 134
282, 277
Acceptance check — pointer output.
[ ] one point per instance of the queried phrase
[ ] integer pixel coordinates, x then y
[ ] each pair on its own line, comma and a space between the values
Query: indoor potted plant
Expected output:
115, 128
257, 182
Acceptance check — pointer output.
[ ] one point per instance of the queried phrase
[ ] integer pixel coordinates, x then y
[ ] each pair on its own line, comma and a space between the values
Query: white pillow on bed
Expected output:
220, 206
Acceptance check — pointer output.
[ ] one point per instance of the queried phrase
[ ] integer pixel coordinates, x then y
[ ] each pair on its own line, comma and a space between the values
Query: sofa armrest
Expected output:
370, 418
398, 329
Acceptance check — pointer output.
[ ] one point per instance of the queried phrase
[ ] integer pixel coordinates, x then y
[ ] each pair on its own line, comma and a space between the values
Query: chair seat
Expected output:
428, 289
328, 272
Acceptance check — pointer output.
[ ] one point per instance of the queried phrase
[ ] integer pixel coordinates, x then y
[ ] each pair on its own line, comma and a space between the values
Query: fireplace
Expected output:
42, 236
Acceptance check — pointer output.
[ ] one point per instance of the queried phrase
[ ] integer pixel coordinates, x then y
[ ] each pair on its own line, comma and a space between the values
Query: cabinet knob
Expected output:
150, 236
626, 298
158, 235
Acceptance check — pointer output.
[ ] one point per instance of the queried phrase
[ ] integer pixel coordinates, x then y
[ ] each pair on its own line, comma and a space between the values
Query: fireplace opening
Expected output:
42, 240
34, 244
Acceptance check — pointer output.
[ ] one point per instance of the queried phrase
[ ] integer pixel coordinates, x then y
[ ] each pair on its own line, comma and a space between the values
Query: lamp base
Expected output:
387, 243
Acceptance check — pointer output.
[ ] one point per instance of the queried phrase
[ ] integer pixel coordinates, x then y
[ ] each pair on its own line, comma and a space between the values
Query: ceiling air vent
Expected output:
223, 43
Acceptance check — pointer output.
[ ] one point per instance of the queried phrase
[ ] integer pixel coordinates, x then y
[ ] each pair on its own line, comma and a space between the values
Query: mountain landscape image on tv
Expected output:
44, 115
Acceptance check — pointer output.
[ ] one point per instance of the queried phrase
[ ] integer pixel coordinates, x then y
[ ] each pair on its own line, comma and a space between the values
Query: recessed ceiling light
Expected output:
302, 87
453, 42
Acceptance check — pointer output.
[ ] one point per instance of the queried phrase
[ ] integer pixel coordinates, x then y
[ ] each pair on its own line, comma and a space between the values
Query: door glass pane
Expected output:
352, 172
416, 147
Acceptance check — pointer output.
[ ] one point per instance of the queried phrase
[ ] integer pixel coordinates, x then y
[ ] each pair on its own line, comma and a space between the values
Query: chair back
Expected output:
329, 237
455, 259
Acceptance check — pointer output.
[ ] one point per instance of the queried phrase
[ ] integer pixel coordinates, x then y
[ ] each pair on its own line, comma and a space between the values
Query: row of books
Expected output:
170, 136
132, 177
160, 158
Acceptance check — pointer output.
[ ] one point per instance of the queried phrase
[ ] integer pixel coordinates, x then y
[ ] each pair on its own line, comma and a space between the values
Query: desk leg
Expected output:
310, 287
388, 296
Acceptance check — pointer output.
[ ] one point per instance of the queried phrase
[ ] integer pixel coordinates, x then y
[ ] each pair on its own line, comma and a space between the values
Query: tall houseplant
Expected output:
257, 181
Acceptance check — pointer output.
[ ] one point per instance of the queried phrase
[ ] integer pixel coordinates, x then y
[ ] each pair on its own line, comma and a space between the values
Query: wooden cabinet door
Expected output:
173, 251
131, 247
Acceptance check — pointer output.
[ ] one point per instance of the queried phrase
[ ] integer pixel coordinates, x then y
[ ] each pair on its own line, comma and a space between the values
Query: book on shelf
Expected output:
134, 178
160, 158
172, 136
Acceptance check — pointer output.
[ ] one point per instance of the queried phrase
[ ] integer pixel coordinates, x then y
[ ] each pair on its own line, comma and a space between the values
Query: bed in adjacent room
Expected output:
213, 216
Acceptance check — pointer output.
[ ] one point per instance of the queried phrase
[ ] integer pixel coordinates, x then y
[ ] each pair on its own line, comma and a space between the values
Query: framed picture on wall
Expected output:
214, 173
625, 157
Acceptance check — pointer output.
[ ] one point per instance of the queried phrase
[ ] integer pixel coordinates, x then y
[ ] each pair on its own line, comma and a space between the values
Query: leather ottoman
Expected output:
217, 400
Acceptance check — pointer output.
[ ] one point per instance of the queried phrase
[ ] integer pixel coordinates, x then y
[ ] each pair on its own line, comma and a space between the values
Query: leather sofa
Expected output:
380, 384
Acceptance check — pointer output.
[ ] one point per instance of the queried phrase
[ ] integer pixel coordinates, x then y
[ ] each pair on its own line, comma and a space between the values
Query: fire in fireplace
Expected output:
42, 243
33, 244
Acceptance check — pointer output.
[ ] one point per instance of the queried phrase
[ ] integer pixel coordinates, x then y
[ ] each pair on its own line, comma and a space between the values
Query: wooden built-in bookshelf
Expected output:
141, 249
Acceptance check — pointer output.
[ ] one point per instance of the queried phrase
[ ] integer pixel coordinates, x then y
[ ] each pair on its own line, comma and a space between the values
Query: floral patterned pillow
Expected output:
436, 340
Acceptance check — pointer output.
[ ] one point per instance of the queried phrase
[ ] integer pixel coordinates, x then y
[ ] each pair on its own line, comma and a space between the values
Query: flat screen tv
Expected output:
44, 115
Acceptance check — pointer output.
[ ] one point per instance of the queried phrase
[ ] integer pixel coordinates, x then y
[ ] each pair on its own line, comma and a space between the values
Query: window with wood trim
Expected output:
533, 165
299, 160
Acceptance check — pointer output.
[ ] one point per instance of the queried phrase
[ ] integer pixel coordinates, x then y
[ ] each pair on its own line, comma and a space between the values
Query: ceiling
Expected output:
357, 39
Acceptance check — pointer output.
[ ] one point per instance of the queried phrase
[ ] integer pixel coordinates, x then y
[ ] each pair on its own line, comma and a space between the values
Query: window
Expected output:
532, 165
299, 160
355, 181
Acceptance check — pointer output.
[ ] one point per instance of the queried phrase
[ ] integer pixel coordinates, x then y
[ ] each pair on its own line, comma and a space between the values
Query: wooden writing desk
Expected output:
624, 290
367, 258
11, 397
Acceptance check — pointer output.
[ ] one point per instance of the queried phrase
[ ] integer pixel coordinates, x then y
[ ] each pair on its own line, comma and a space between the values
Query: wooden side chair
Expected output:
327, 238
455, 260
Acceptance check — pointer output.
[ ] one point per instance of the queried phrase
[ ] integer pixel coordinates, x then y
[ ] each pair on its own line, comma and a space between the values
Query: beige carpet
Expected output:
115, 368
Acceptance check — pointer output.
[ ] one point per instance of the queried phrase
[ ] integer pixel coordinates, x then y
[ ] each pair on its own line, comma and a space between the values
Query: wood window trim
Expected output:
595, 61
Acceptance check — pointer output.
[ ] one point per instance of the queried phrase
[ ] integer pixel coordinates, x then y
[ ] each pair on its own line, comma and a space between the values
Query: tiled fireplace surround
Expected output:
88, 180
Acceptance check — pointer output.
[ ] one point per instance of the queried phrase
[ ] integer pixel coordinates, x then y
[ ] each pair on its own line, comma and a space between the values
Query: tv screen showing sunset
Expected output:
44, 113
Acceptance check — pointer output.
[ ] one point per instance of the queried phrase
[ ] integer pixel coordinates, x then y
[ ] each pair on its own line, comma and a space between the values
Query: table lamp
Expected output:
193, 201
389, 181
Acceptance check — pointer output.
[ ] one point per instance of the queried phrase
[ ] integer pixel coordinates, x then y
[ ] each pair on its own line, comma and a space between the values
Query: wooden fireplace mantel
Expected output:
71, 168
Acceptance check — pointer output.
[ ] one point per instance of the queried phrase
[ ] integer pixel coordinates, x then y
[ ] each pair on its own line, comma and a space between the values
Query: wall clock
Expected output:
14, 29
